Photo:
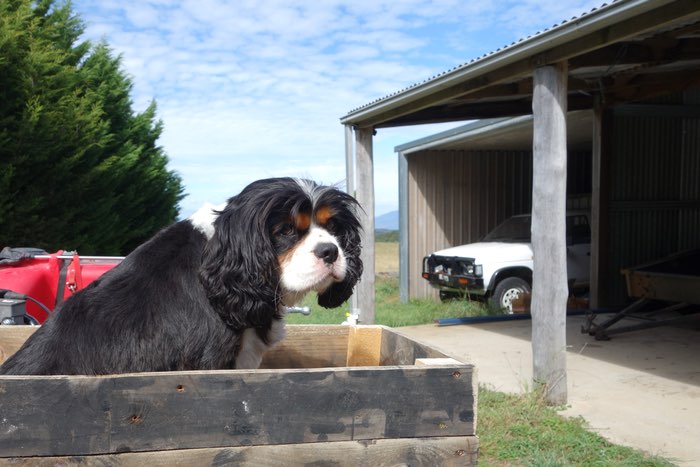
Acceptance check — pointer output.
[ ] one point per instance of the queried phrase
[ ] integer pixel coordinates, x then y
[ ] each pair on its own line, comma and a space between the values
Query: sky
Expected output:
250, 89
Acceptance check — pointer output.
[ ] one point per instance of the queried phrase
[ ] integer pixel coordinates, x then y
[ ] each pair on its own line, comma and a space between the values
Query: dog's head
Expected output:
274, 242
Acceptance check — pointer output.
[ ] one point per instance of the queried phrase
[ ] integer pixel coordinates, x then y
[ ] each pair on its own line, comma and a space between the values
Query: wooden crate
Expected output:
328, 395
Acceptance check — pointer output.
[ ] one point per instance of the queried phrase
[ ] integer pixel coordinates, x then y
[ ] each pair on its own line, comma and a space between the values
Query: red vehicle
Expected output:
33, 282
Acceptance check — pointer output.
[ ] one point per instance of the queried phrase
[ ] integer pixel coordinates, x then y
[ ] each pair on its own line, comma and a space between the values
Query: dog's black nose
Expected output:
328, 252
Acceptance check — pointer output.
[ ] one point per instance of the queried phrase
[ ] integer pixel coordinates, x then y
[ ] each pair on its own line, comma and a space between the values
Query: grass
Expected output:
393, 313
521, 430
389, 310
514, 430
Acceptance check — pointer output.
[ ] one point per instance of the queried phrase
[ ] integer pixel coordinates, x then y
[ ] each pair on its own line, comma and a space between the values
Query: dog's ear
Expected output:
238, 269
339, 292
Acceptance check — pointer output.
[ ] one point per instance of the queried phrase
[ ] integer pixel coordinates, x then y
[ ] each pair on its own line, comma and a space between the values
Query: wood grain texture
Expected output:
301, 415
12, 338
310, 346
364, 165
365, 346
436, 361
428, 452
549, 277
398, 349
79, 415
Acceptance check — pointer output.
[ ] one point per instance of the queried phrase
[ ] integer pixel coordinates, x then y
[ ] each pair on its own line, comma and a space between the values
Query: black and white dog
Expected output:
208, 292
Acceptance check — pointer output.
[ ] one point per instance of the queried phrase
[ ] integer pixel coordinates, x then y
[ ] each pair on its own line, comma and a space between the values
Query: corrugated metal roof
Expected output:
513, 44
499, 83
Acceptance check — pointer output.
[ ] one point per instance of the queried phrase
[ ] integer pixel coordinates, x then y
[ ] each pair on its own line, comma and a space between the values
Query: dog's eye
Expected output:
286, 230
331, 225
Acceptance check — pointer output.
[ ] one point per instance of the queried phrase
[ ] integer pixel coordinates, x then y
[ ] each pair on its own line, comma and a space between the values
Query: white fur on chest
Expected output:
253, 348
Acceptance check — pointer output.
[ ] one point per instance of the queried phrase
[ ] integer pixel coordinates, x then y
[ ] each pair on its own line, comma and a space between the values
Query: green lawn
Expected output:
390, 311
521, 430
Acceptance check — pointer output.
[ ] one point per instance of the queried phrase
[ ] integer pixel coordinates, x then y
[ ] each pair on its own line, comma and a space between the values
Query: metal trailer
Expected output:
667, 291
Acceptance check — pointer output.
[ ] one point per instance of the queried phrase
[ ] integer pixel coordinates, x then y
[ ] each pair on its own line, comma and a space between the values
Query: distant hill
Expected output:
388, 221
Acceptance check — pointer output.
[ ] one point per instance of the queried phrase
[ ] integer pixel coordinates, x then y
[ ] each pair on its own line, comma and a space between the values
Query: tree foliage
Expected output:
79, 169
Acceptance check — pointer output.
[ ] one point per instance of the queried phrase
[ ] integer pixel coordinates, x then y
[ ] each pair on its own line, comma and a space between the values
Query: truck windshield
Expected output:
515, 229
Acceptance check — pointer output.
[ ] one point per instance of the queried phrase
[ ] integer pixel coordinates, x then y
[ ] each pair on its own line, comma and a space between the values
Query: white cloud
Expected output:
249, 89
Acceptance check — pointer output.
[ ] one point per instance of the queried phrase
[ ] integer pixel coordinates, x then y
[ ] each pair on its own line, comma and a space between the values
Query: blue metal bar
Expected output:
513, 317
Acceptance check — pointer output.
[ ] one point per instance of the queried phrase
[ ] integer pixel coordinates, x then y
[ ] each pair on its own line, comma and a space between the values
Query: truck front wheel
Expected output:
506, 291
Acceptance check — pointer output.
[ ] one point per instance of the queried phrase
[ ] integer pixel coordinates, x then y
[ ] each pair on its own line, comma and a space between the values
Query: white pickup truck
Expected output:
499, 268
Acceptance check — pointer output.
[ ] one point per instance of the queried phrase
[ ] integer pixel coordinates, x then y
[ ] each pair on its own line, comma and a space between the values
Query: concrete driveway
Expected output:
640, 389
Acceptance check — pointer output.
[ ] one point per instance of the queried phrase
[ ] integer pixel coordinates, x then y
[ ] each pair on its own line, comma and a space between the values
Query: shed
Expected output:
633, 67
465, 181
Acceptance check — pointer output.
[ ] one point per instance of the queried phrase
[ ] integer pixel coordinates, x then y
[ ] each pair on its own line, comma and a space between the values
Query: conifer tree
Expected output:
79, 169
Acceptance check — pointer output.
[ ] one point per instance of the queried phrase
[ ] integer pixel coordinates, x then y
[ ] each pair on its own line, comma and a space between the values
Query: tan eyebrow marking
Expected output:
302, 221
323, 214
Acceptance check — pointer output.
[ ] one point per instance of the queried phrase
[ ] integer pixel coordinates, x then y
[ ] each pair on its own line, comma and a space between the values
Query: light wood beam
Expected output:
549, 288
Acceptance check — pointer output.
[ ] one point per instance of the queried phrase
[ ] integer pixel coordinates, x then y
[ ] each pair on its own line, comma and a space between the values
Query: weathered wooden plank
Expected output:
398, 349
436, 361
12, 338
428, 452
80, 415
305, 346
310, 346
53, 415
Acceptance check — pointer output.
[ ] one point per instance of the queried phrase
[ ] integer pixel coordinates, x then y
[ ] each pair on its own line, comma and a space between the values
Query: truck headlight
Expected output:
478, 270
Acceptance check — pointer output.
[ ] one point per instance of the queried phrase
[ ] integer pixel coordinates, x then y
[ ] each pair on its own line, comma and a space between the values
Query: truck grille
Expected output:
453, 266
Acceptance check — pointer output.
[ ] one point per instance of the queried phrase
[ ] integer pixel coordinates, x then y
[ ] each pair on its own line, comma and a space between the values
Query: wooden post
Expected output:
594, 295
349, 162
599, 205
549, 288
404, 269
365, 195
350, 186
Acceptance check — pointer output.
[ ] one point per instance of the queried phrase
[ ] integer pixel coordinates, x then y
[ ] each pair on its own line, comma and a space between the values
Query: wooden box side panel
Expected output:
398, 349
49, 416
305, 346
451, 451
310, 346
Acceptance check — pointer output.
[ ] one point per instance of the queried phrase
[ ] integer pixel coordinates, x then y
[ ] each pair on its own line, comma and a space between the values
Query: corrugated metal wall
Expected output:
654, 192
456, 197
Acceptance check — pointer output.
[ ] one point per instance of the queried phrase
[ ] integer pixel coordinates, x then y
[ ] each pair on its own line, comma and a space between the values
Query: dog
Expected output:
208, 292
